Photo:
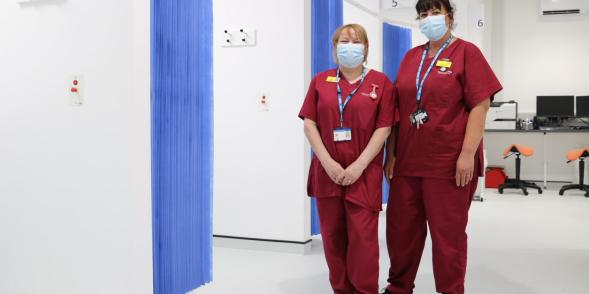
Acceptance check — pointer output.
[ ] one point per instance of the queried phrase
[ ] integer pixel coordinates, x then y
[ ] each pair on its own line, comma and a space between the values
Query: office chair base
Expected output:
522, 185
575, 187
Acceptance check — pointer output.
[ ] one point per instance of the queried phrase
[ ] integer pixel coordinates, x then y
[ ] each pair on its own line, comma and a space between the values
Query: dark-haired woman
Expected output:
444, 89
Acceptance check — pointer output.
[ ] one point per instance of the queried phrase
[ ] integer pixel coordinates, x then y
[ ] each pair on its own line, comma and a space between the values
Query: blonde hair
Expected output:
360, 33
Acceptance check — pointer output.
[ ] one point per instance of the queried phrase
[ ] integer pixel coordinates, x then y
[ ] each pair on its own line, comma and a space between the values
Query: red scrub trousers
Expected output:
414, 204
350, 242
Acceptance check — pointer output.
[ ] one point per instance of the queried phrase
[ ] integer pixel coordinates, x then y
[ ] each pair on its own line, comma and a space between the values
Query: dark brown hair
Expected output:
426, 5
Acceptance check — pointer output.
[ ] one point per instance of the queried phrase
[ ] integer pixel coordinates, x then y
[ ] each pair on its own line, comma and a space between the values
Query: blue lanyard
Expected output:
343, 105
418, 83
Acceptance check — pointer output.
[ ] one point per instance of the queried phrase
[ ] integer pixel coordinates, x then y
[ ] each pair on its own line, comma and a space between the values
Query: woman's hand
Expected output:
351, 174
334, 170
472, 140
464, 169
389, 166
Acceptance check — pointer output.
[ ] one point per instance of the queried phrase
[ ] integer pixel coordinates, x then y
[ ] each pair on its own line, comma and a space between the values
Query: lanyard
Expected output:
343, 105
418, 83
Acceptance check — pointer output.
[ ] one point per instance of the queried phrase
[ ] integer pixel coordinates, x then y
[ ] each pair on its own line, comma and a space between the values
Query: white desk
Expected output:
549, 160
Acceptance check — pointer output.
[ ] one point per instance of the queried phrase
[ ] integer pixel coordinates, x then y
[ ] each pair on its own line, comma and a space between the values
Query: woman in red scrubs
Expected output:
444, 91
348, 114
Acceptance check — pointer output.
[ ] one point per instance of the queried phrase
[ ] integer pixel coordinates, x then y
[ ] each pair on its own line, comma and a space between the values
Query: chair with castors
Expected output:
517, 183
577, 154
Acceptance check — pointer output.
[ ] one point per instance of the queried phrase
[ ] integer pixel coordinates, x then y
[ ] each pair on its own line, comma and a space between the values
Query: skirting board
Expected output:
262, 244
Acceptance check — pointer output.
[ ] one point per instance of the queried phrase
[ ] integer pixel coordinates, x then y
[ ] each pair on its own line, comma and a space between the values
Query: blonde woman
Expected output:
348, 114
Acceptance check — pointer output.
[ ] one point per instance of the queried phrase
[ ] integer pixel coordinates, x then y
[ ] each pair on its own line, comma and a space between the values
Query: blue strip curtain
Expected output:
396, 42
182, 136
327, 16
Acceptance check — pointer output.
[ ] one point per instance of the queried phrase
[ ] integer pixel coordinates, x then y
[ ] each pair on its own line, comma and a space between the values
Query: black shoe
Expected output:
386, 291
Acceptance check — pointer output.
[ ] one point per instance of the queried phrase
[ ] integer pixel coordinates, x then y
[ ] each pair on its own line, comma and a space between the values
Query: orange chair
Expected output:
577, 154
517, 183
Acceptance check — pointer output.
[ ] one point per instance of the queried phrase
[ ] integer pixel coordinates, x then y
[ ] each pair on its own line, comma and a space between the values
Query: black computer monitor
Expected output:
555, 106
582, 106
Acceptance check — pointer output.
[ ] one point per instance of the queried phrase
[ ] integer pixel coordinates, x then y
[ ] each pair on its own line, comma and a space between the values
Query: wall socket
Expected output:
264, 102
76, 90
238, 37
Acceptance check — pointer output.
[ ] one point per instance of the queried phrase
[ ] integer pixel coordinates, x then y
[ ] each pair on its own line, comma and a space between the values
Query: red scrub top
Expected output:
448, 96
363, 115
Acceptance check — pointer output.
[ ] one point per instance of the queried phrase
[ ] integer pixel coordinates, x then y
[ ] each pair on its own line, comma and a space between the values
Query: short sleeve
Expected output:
386, 107
479, 80
309, 108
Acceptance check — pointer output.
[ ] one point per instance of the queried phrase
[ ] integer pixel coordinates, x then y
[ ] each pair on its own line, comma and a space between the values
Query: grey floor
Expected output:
518, 245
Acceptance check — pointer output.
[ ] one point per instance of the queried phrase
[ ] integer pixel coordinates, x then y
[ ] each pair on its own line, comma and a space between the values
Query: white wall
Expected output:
539, 55
260, 169
467, 13
75, 181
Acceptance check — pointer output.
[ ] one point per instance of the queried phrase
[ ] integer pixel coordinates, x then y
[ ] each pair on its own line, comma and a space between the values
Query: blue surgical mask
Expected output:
434, 27
350, 55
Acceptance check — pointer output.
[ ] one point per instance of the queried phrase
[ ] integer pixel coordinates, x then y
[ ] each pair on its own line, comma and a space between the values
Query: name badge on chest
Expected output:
419, 117
342, 135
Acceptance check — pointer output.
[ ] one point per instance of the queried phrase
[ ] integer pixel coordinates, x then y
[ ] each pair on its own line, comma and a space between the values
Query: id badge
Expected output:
342, 135
419, 118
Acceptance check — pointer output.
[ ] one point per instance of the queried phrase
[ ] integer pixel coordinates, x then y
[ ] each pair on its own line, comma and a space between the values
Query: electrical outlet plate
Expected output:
263, 102
76, 98
239, 37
